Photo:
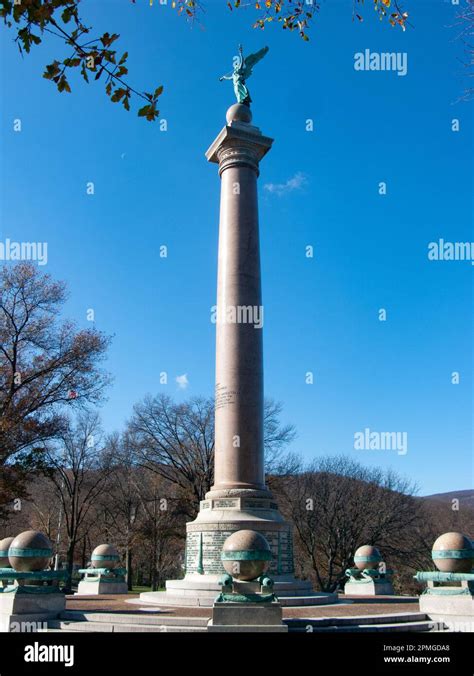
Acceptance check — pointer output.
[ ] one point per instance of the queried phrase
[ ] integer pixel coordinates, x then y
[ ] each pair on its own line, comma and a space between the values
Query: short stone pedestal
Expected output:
102, 581
246, 617
368, 582
246, 607
30, 598
448, 599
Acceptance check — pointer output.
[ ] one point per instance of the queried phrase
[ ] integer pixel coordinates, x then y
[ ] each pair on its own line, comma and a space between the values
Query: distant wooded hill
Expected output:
466, 498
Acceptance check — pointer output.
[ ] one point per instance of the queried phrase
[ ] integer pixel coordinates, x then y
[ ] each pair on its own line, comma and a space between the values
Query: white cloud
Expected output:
295, 183
182, 381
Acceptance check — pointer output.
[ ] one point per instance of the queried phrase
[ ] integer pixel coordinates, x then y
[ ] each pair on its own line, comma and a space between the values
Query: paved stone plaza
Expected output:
127, 613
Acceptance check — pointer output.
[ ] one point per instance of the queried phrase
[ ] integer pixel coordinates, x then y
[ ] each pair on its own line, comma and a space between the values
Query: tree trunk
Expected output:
129, 568
70, 565
84, 560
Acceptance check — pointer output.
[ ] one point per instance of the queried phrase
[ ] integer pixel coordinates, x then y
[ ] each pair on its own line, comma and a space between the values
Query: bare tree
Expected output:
465, 25
176, 441
337, 505
276, 439
162, 527
45, 368
79, 466
120, 501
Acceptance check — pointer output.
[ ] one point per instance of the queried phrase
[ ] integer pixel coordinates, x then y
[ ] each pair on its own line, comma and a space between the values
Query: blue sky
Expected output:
155, 188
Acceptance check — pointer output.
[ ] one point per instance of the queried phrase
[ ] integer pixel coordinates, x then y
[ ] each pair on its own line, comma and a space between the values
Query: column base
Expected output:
200, 591
222, 513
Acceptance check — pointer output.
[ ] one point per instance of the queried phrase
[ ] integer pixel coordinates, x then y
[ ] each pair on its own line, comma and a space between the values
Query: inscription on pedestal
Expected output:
256, 504
213, 540
225, 504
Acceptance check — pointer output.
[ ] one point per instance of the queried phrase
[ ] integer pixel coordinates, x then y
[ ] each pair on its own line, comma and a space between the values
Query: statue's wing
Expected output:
252, 59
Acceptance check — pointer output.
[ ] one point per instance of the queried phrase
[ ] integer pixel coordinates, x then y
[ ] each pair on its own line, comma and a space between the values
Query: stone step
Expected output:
165, 599
96, 627
148, 618
366, 628
207, 601
64, 625
314, 599
110, 627
348, 620
177, 587
73, 620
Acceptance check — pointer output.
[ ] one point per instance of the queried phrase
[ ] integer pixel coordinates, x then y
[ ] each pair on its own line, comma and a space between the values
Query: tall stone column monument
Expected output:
239, 461
239, 498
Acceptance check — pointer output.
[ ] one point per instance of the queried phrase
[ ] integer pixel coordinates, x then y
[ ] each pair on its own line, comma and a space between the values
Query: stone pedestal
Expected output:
218, 518
229, 511
368, 581
101, 581
22, 610
448, 599
247, 617
86, 588
456, 612
368, 588
29, 598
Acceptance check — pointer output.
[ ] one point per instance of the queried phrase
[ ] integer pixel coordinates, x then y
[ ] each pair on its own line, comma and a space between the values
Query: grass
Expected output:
139, 590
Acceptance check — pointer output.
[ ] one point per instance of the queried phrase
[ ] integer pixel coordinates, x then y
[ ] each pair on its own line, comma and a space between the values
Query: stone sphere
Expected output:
246, 555
367, 556
453, 553
239, 113
4, 547
30, 551
105, 556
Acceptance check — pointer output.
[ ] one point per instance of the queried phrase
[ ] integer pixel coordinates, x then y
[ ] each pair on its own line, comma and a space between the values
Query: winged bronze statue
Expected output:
242, 71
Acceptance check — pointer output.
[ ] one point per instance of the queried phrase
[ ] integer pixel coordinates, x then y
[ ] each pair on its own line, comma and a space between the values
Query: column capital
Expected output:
239, 144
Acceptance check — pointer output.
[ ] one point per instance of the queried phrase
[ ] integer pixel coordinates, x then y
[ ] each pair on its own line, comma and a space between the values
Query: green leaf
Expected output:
84, 72
144, 111
63, 84
51, 70
107, 39
118, 94
71, 63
